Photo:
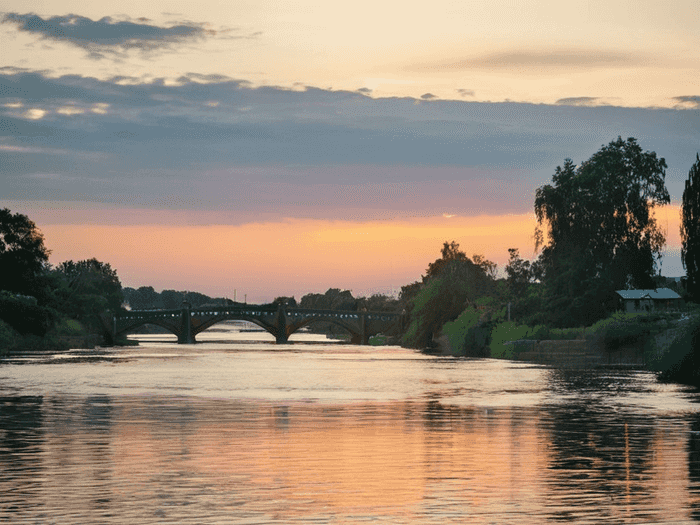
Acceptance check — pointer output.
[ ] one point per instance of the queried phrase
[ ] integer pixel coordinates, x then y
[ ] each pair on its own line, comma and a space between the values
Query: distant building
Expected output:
649, 300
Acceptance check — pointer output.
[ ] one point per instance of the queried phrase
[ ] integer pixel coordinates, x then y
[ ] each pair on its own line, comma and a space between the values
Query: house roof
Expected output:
656, 294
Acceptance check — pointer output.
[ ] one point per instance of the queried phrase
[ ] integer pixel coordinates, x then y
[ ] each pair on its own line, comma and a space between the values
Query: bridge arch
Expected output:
247, 318
277, 320
295, 326
171, 323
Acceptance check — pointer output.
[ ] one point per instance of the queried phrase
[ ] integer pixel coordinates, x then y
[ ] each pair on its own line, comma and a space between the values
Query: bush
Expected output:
469, 334
8, 337
621, 329
69, 327
24, 315
681, 362
506, 332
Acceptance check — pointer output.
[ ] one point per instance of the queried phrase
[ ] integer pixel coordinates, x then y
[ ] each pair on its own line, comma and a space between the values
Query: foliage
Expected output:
143, 298
333, 299
289, 302
146, 298
378, 303
89, 289
24, 315
8, 337
505, 332
22, 252
681, 362
69, 327
470, 333
621, 329
452, 283
601, 232
690, 230
519, 273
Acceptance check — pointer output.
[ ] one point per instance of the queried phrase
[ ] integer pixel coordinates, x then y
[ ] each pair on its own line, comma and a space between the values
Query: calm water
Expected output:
235, 430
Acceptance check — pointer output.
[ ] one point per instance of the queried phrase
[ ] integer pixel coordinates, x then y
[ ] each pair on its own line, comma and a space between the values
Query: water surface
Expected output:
237, 429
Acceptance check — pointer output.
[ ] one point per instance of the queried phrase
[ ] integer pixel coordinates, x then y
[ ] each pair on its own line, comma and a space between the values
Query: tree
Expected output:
91, 288
451, 283
23, 255
601, 232
518, 272
690, 230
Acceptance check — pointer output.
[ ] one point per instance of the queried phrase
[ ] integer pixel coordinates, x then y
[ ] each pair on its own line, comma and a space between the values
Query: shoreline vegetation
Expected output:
596, 234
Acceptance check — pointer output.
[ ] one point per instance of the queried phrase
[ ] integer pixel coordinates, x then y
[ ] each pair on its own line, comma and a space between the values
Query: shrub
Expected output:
8, 337
506, 332
469, 334
681, 362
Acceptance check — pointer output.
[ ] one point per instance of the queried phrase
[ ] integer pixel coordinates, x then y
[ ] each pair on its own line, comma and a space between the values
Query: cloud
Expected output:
690, 102
466, 92
212, 142
578, 101
108, 36
554, 58
427, 96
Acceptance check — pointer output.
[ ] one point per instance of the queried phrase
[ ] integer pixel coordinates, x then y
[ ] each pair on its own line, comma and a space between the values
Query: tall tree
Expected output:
690, 229
601, 232
23, 255
91, 288
452, 282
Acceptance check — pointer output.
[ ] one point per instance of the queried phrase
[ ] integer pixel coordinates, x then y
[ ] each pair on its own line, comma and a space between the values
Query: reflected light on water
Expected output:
317, 432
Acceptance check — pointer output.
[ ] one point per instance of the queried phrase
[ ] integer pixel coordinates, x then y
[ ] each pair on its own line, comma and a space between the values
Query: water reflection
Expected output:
452, 447
21, 438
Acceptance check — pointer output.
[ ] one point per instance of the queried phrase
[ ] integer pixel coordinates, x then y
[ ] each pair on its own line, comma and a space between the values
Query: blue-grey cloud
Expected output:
578, 101
427, 96
219, 143
688, 101
466, 92
108, 36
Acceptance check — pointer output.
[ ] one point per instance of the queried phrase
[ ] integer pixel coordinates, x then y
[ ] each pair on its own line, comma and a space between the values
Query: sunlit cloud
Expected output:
34, 114
100, 108
70, 110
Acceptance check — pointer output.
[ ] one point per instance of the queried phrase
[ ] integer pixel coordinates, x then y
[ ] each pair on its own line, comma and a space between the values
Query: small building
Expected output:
634, 301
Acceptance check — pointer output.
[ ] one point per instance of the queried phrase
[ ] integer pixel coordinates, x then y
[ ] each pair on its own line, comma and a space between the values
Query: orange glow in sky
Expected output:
295, 256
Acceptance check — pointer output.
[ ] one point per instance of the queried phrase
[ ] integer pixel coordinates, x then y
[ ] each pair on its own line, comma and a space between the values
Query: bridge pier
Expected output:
281, 337
185, 337
186, 322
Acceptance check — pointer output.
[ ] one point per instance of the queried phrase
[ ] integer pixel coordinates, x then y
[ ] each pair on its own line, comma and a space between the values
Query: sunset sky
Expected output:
281, 148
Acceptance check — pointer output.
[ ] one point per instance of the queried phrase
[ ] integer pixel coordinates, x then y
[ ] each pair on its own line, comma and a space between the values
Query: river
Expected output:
239, 430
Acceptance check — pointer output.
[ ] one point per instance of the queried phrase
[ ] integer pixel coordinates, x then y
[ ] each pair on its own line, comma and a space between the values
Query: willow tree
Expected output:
600, 229
690, 229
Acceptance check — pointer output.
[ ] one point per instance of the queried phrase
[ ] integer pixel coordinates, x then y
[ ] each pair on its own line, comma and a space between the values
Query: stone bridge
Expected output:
280, 320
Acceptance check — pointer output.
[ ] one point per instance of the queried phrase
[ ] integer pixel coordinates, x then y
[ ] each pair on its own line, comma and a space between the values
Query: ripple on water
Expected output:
343, 435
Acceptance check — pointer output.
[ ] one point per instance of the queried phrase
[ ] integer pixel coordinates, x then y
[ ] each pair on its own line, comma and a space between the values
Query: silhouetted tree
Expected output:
602, 235
23, 255
690, 230
289, 302
90, 288
518, 272
451, 283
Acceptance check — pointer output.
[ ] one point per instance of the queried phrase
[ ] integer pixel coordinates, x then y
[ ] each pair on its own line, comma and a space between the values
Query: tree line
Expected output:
40, 304
596, 233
